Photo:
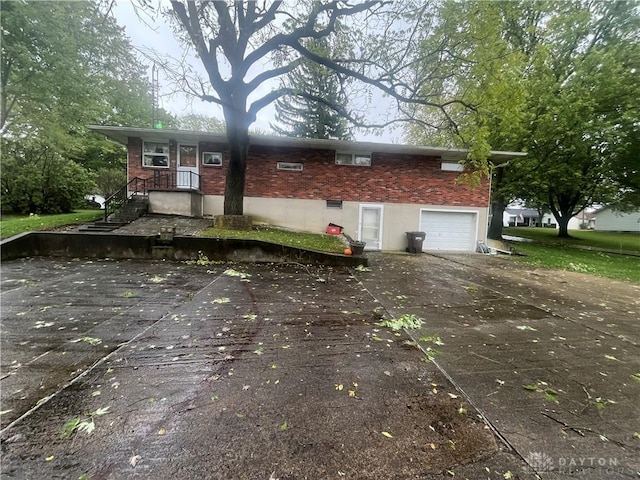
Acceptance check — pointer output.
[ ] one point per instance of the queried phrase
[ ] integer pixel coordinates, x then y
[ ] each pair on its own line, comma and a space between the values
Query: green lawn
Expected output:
11, 225
311, 241
551, 252
591, 238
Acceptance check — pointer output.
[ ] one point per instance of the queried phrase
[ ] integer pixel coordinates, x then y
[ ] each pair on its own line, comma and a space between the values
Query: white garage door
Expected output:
449, 230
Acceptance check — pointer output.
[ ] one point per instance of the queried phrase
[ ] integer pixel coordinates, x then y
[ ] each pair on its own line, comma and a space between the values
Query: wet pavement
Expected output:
157, 370
152, 225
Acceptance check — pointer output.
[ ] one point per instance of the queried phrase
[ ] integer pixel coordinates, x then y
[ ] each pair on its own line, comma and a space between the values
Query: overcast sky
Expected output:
154, 33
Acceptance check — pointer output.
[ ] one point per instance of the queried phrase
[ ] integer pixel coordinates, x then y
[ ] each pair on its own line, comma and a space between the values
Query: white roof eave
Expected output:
122, 134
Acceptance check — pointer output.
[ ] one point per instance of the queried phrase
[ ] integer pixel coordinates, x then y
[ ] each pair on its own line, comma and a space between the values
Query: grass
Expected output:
551, 252
11, 225
311, 241
590, 238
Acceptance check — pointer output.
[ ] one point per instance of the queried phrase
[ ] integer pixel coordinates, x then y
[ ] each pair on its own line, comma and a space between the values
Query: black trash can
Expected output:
415, 240
357, 248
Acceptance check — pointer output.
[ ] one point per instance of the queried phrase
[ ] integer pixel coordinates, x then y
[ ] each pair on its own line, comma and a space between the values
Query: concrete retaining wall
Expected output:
109, 245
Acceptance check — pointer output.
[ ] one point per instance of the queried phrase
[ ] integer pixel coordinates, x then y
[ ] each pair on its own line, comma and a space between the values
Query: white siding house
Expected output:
609, 220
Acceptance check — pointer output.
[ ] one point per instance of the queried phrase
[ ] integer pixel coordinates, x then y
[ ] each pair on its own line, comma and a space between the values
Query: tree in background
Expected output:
197, 122
37, 179
577, 107
303, 117
65, 65
110, 180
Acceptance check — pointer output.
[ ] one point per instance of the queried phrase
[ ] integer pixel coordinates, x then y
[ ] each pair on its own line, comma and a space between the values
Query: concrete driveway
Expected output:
551, 359
158, 370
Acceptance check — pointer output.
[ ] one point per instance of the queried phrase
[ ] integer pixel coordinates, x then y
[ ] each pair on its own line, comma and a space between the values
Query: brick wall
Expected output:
391, 178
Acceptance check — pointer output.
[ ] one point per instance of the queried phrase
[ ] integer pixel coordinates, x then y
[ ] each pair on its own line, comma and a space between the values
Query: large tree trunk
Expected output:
562, 206
238, 138
497, 210
498, 204
563, 225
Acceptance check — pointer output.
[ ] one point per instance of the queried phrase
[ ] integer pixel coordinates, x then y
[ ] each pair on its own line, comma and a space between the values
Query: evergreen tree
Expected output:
305, 117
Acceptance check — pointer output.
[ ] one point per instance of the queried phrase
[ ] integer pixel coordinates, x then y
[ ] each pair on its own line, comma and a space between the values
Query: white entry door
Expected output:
187, 172
370, 226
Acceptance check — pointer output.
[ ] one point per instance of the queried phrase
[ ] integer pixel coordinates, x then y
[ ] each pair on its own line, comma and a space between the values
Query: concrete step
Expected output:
113, 224
124, 218
92, 228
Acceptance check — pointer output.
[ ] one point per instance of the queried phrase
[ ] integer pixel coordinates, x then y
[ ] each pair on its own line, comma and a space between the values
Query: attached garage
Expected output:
449, 230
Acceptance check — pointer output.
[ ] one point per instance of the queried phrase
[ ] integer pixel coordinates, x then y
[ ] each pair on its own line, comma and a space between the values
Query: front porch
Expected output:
166, 193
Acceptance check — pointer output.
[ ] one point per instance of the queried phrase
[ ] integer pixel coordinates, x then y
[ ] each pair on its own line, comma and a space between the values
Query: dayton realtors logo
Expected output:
540, 462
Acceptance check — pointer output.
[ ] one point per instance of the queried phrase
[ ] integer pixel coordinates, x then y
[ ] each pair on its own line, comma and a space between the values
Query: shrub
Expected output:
35, 179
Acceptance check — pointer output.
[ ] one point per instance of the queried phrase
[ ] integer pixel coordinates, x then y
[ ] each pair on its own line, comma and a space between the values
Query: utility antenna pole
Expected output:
154, 95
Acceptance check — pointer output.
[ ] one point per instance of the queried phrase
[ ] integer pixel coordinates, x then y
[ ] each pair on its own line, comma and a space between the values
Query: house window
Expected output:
449, 166
334, 203
360, 159
295, 167
212, 159
155, 154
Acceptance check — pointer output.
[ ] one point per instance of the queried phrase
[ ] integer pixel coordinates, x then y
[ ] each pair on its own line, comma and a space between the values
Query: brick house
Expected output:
376, 191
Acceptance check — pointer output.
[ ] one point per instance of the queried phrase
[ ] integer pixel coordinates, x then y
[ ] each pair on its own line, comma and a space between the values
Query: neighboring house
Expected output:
581, 221
609, 220
377, 192
526, 217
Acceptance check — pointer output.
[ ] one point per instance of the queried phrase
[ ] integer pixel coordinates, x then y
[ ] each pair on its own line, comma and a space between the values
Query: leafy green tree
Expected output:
110, 180
578, 113
37, 179
584, 107
304, 117
65, 65
200, 123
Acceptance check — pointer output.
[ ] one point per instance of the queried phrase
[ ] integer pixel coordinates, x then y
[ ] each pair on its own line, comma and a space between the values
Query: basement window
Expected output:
359, 159
155, 154
334, 203
449, 166
291, 166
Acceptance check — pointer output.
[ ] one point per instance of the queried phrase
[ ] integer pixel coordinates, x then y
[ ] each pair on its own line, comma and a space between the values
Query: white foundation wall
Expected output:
314, 216
183, 203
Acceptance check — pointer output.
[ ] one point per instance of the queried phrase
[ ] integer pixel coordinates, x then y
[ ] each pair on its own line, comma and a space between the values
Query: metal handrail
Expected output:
169, 180
114, 202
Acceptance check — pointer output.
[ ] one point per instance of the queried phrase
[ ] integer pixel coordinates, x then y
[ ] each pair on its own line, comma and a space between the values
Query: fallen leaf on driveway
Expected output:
221, 300
387, 434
